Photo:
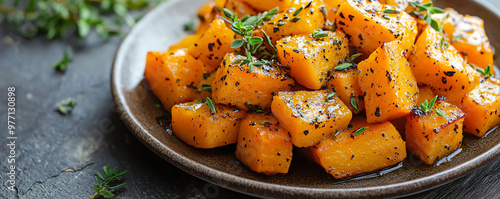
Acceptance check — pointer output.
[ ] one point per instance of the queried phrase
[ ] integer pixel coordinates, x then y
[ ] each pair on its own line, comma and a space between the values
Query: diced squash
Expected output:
173, 77
206, 14
388, 83
195, 124
235, 85
403, 4
367, 26
442, 69
213, 44
265, 5
263, 145
348, 154
468, 36
309, 116
345, 84
310, 59
482, 108
331, 7
425, 93
185, 43
286, 24
430, 136
236, 6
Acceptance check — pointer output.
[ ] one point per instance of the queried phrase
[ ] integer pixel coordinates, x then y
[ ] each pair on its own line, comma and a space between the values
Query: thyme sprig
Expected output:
429, 10
427, 107
112, 176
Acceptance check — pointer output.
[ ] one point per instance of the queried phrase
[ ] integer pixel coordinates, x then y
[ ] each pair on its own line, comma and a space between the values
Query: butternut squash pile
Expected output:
354, 83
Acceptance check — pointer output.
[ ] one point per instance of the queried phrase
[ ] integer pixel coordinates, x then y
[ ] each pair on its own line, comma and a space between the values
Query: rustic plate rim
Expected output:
262, 189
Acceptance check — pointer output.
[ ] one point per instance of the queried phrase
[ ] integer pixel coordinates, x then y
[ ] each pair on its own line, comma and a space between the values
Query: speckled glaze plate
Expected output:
163, 27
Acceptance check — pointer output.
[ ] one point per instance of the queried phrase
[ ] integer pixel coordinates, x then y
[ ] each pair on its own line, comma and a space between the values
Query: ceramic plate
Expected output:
163, 27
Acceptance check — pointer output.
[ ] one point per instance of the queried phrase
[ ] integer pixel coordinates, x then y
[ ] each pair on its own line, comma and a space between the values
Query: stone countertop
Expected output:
57, 155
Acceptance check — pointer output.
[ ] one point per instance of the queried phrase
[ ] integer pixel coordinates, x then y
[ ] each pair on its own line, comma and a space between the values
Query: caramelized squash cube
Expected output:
349, 154
239, 7
185, 43
367, 26
213, 44
235, 85
309, 116
442, 69
430, 136
482, 108
263, 145
206, 14
286, 24
345, 84
195, 124
310, 59
174, 76
388, 83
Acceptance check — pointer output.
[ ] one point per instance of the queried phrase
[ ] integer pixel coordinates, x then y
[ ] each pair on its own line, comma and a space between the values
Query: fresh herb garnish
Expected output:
390, 11
319, 34
295, 19
189, 26
429, 10
353, 57
254, 108
330, 94
66, 106
63, 64
444, 43
323, 10
269, 41
359, 131
103, 189
456, 38
385, 16
354, 104
211, 105
206, 87
486, 72
297, 11
265, 122
427, 107
343, 66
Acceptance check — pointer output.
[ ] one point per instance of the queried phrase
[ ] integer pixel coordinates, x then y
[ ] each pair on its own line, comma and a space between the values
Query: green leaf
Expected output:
259, 63
431, 103
269, 40
486, 72
330, 95
385, 16
354, 104
237, 43
99, 175
342, 66
436, 10
206, 87
390, 11
359, 131
83, 28
297, 11
323, 10
117, 186
189, 26
62, 65
440, 112
319, 34
295, 19
265, 122
436, 26
228, 13
106, 194
211, 105
256, 40
353, 57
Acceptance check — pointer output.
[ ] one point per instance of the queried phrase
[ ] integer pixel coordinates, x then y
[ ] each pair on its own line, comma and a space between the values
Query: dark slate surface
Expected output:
57, 155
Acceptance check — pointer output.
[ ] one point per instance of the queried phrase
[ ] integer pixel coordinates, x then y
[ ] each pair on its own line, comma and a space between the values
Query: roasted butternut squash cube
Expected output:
442, 68
367, 26
348, 153
430, 136
235, 85
286, 24
185, 43
309, 116
236, 6
174, 76
265, 5
481, 108
206, 14
213, 44
194, 123
468, 37
345, 84
263, 145
310, 59
388, 83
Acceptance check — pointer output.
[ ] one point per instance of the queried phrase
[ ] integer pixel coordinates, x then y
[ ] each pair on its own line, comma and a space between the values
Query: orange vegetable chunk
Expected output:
174, 76
286, 24
310, 116
348, 154
345, 84
367, 26
430, 136
442, 69
239, 7
388, 83
206, 15
235, 85
213, 44
265, 5
310, 59
481, 108
263, 145
195, 124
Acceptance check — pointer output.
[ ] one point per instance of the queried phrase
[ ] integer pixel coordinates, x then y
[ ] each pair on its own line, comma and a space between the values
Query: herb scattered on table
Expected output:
103, 189
66, 106
63, 64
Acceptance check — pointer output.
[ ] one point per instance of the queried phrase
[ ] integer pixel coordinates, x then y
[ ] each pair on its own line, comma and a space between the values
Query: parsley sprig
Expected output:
103, 189
245, 27
427, 107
